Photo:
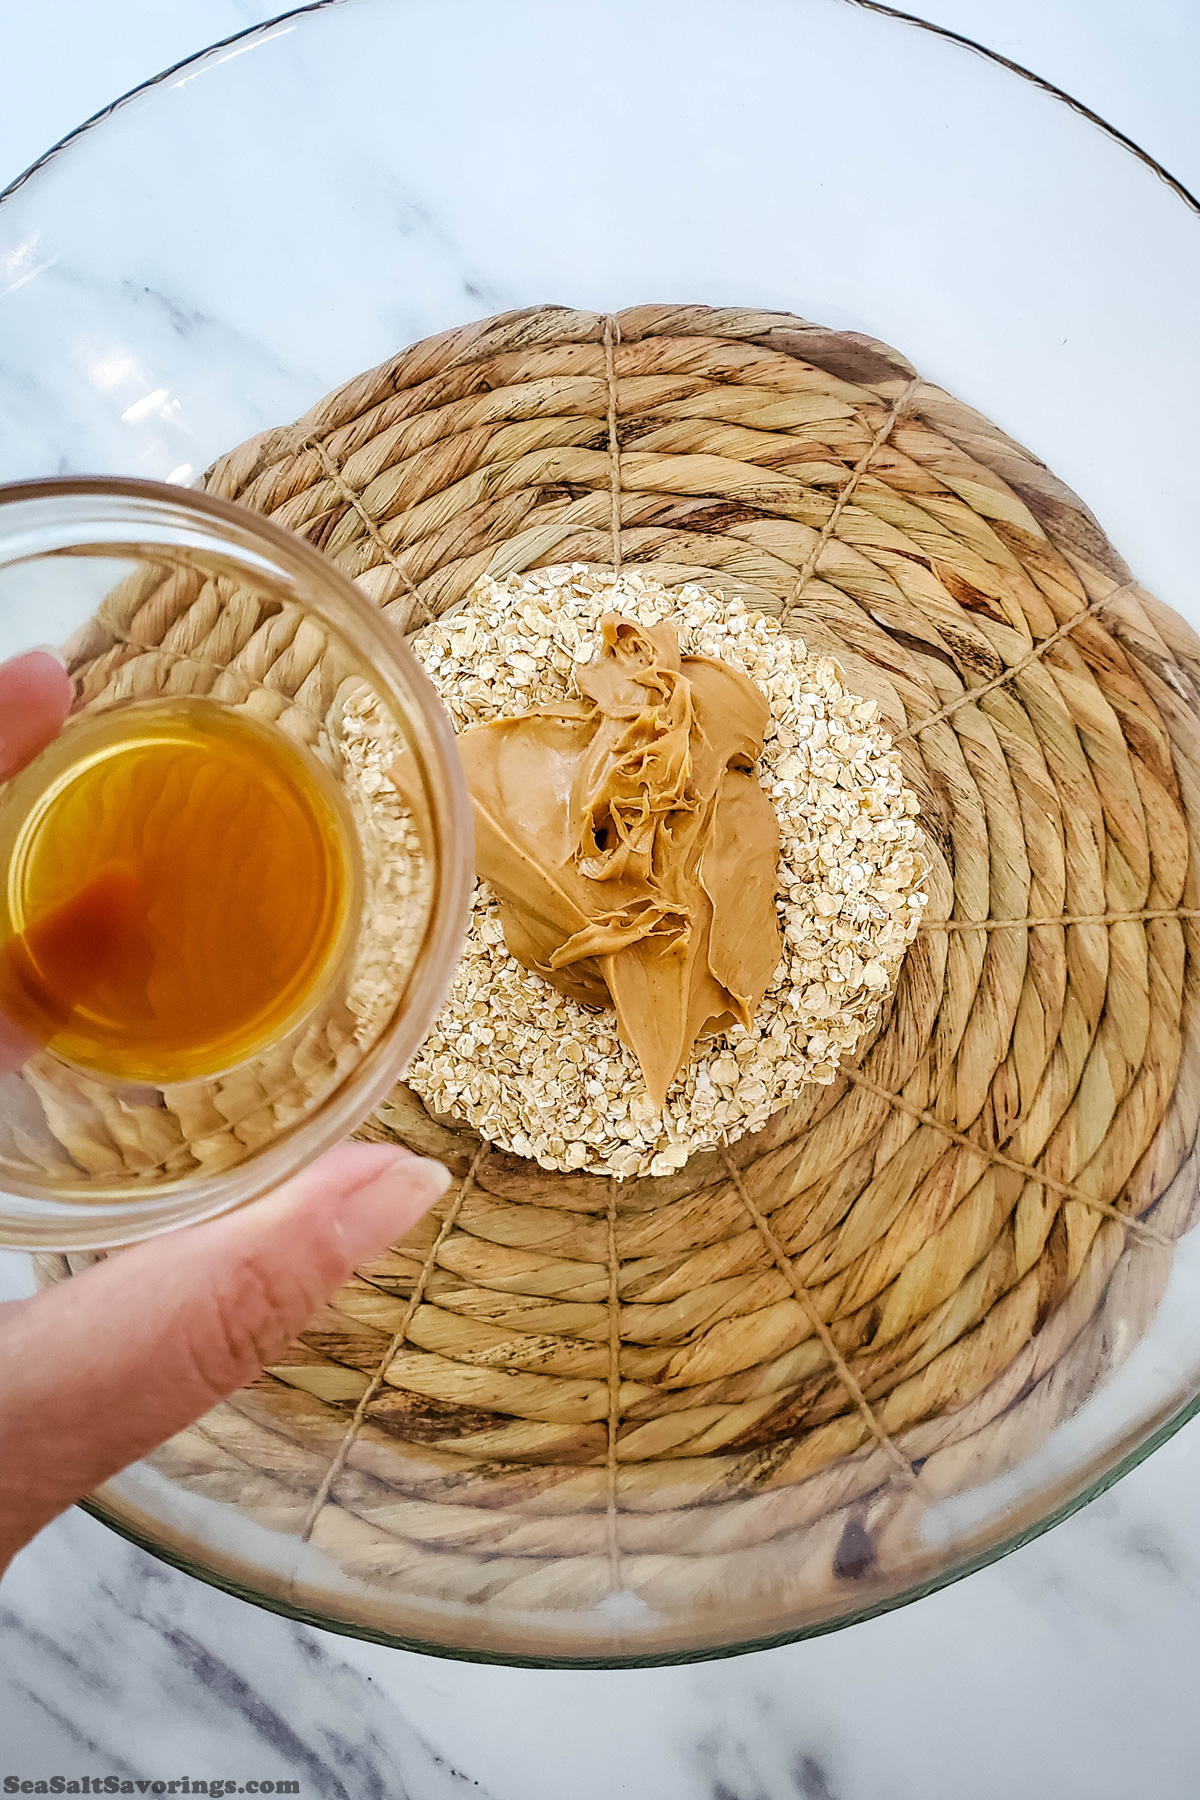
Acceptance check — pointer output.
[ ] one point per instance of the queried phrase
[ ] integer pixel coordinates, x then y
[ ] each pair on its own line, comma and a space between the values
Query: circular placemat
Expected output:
560, 1388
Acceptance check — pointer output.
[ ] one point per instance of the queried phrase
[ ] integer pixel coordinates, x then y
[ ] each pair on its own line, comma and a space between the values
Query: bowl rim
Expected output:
962, 39
108, 1511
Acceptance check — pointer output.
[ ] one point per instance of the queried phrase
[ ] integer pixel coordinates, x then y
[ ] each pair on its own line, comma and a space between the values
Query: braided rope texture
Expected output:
557, 1387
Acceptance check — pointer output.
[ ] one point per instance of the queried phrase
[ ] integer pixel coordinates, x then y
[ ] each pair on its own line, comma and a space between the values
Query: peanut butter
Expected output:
630, 845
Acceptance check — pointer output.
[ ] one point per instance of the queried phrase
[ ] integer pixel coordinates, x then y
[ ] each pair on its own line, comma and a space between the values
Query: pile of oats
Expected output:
536, 1073
396, 875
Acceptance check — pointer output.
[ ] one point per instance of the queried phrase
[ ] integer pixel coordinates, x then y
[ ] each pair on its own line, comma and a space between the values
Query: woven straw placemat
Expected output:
558, 1386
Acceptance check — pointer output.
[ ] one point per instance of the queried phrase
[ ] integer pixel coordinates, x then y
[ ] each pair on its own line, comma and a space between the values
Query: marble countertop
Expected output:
1065, 1670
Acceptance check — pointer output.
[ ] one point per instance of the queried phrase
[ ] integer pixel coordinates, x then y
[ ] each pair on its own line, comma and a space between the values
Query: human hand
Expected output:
97, 1371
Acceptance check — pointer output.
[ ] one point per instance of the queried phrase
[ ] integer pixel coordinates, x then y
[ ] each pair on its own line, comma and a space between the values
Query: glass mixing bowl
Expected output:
275, 216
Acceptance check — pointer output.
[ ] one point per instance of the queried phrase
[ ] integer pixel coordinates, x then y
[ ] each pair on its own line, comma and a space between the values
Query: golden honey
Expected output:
179, 879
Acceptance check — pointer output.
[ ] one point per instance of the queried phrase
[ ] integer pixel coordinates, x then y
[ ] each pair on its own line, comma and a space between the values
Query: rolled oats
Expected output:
550, 1079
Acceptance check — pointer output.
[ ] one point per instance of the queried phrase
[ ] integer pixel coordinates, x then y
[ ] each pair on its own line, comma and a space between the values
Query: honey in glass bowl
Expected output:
220, 940
179, 887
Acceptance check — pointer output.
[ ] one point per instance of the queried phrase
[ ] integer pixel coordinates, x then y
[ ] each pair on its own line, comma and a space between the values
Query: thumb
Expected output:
99, 1370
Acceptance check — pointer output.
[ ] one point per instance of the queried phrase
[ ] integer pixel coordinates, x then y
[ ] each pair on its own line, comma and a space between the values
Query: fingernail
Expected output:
435, 1174
47, 650
376, 1215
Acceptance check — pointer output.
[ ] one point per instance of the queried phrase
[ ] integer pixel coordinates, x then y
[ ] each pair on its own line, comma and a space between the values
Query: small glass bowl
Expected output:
151, 592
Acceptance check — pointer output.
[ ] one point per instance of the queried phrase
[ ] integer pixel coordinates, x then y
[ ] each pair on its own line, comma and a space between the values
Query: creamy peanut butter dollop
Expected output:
630, 846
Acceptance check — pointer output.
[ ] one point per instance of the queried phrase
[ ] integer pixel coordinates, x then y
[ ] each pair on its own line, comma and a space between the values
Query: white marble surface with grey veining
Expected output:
1065, 1671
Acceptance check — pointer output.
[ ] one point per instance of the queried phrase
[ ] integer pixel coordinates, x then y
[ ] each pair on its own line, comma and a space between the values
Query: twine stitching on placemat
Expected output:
614, 1386
845, 495
841, 1367
1067, 1189
418, 1294
612, 335
971, 695
348, 494
1108, 918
